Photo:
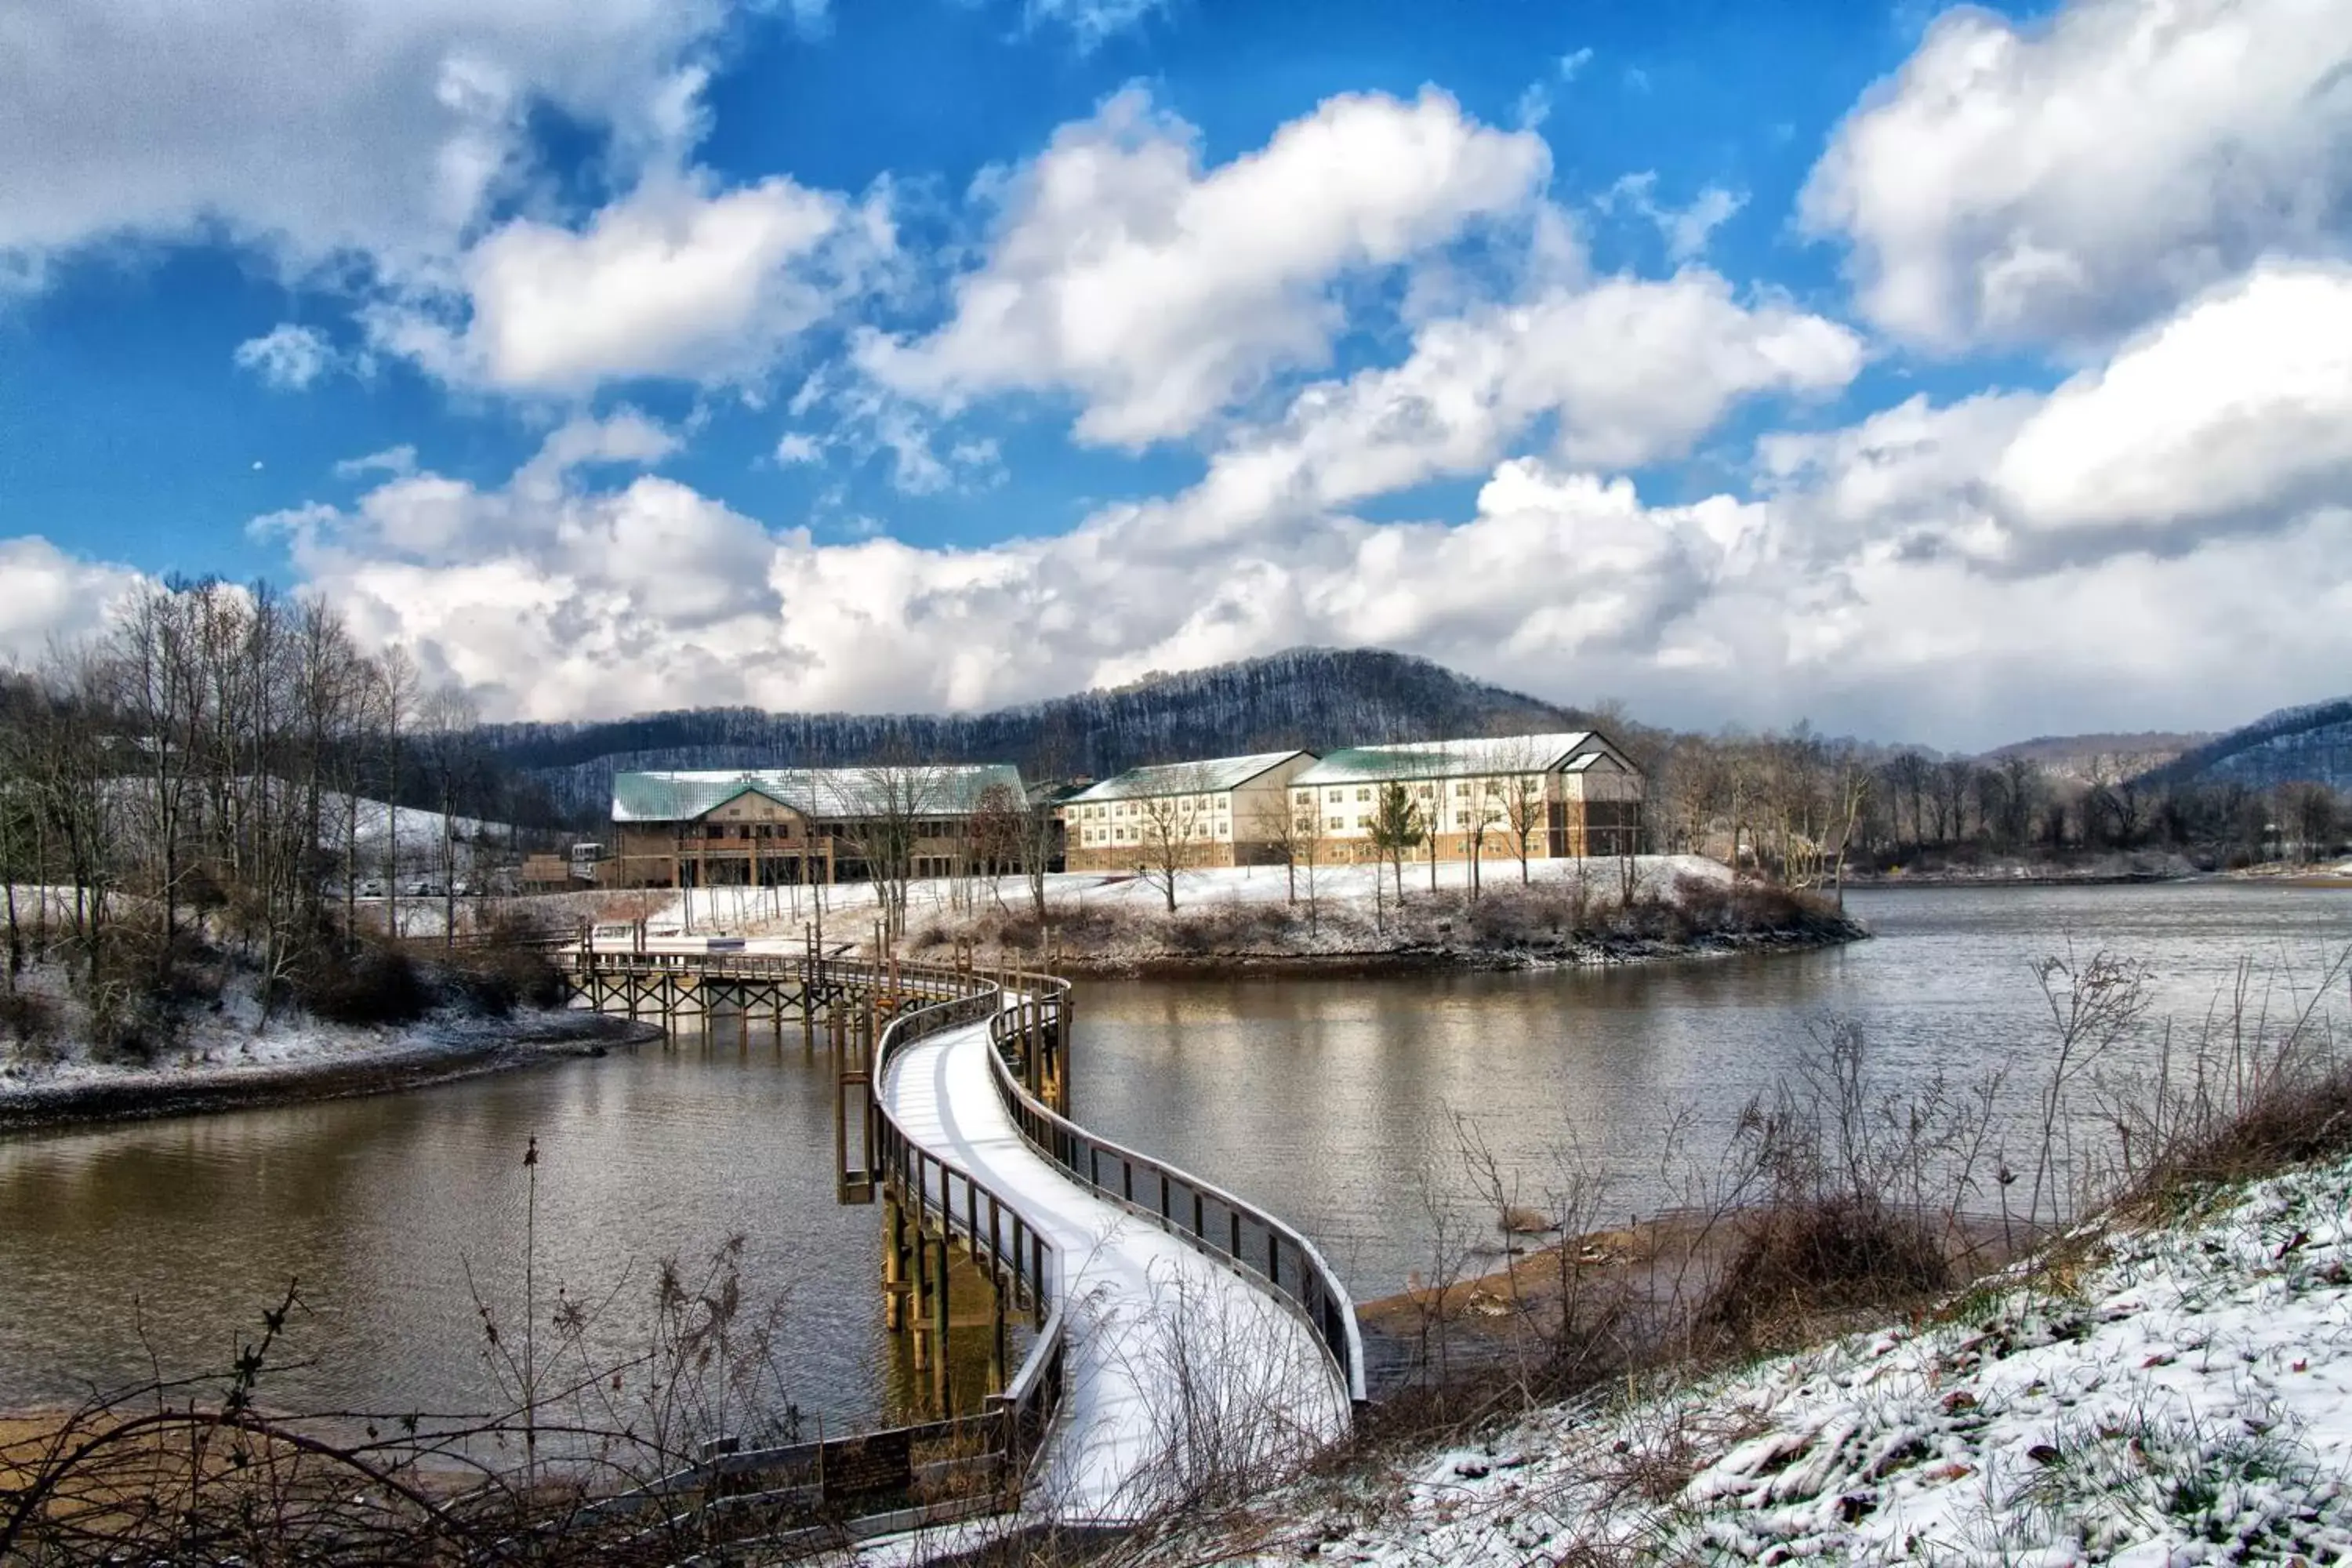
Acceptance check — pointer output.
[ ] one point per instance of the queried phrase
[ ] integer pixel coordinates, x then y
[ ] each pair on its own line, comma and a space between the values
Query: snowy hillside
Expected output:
2184, 1397
2311, 743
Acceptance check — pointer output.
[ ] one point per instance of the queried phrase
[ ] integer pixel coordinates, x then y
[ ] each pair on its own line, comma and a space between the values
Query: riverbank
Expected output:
1348, 920
305, 1060
2071, 869
2156, 1391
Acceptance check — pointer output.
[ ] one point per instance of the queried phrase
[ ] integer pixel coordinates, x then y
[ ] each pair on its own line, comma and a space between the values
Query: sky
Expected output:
1949, 376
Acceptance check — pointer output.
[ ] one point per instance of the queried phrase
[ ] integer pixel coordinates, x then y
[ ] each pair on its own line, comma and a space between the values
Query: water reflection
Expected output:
392, 1211
1327, 1100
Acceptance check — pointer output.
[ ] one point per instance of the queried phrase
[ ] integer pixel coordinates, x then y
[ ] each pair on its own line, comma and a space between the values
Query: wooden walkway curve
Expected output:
1184, 1335
1179, 1364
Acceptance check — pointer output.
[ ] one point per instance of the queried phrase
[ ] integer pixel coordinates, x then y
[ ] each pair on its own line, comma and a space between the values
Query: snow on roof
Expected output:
1450, 759
1213, 776
930, 790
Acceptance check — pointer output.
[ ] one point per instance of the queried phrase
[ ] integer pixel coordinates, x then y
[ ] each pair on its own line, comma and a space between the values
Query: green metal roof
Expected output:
1485, 757
1212, 778
944, 790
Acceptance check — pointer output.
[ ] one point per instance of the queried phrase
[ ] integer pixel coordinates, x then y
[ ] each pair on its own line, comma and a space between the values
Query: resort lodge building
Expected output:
1559, 795
779, 826
1224, 812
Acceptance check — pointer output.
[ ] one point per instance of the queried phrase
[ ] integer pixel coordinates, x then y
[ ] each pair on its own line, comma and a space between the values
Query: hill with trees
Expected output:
2311, 744
1315, 698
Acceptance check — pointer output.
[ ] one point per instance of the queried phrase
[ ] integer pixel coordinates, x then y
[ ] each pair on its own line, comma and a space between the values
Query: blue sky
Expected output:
1948, 374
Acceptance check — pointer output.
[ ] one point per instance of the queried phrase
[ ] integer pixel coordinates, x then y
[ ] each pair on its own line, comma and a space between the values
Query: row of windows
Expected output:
1532, 785
1220, 803
720, 831
1131, 835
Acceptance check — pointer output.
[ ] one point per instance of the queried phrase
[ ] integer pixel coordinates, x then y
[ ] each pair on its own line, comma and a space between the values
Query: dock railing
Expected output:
1201, 1213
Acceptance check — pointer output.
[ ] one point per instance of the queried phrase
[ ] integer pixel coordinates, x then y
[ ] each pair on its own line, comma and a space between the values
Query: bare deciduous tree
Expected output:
1176, 828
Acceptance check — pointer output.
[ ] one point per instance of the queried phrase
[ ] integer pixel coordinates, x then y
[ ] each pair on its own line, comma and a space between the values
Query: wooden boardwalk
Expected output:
1178, 1331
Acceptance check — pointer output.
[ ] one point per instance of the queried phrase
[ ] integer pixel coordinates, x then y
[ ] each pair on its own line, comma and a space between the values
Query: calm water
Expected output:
1331, 1100
1327, 1100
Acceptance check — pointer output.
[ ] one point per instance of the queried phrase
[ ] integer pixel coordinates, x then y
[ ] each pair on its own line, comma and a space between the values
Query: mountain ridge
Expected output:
1309, 697
2308, 744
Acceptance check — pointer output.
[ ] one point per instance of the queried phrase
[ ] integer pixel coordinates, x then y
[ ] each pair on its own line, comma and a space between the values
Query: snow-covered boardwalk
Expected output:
1178, 1364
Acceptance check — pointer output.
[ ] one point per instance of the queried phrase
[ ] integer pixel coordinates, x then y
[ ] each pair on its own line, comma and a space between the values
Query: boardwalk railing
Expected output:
995, 1235
1027, 1016
1204, 1215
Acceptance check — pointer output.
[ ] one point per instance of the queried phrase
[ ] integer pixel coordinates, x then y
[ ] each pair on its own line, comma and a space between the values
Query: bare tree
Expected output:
998, 833
392, 703
1852, 792
1520, 795
1476, 812
896, 797
1176, 828
2311, 813
1281, 824
448, 722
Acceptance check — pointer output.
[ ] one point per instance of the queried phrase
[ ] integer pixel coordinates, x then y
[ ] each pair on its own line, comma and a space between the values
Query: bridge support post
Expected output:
940, 1318
894, 1264
919, 1324
997, 1327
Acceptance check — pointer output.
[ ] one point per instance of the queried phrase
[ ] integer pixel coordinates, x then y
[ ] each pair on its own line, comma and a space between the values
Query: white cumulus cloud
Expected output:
2237, 405
2070, 177
310, 131
678, 280
53, 596
1159, 292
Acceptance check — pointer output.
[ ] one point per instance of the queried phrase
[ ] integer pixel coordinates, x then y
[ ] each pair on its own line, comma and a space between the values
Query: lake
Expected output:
158, 1245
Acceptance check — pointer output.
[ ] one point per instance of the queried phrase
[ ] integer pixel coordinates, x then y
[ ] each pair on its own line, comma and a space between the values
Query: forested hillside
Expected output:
2294, 745
1316, 697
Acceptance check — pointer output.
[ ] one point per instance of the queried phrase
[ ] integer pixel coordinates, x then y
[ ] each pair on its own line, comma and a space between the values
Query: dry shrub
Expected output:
2259, 1088
29, 1018
509, 970
1704, 906
1836, 1253
2294, 1123
377, 985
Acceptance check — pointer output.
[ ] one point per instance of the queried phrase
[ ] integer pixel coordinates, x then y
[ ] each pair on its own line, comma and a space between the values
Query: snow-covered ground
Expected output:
758, 910
213, 1043
2184, 1397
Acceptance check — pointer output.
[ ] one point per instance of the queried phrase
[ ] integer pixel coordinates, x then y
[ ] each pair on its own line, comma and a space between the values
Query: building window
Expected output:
1338, 823
1363, 794
1304, 797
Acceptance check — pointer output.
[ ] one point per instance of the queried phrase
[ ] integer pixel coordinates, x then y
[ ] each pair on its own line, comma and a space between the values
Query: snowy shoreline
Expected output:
311, 1062
2169, 1393
1585, 954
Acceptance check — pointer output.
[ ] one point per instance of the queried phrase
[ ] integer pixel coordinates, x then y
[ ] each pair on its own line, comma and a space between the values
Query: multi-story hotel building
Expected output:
1224, 812
776, 827
1557, 796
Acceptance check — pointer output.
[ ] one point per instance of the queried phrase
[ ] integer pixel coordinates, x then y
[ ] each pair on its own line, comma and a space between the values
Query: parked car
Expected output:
425, 888
371, 890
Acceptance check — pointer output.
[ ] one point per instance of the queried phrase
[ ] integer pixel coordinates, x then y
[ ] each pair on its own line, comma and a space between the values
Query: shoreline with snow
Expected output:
1566, 914
317, 1062
2156, 1391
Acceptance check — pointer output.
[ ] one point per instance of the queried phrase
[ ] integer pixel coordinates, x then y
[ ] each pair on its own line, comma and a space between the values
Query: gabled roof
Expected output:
1481, 757
1212, 778
945, 790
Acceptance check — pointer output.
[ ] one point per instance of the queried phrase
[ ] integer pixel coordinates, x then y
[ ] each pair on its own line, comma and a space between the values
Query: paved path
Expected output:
1156, 1396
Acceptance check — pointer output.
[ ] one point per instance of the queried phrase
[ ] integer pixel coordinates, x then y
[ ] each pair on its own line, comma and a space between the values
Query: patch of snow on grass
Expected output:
2189, 1400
